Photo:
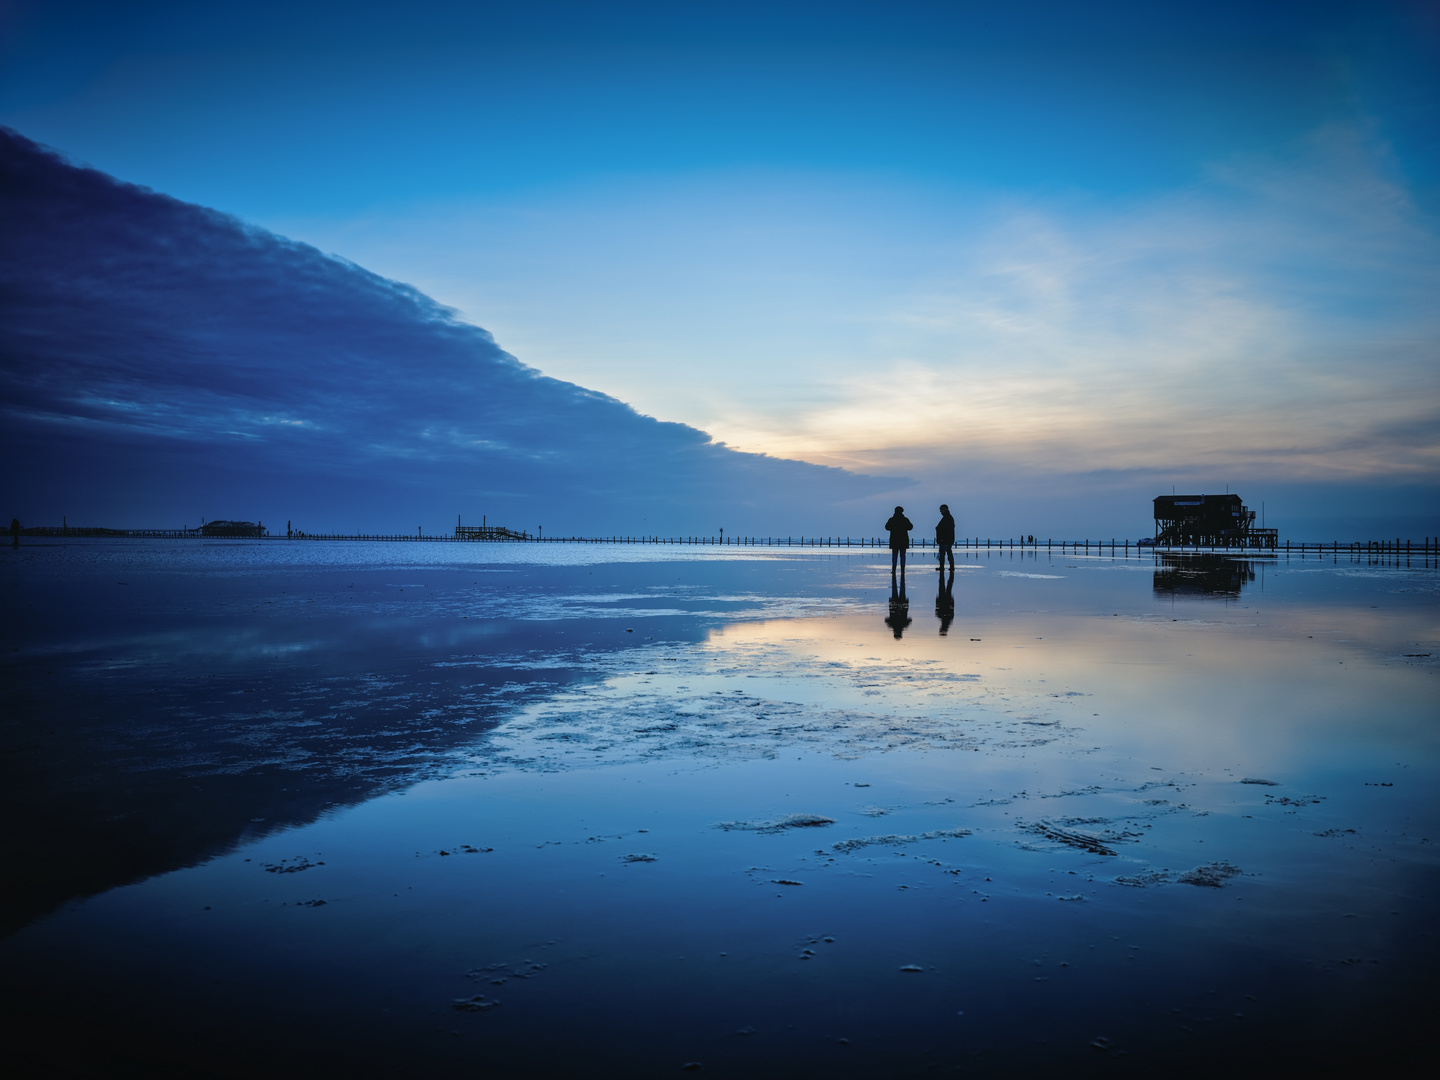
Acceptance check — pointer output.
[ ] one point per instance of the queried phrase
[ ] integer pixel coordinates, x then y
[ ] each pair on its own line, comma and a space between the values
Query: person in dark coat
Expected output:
899, 529
945, 539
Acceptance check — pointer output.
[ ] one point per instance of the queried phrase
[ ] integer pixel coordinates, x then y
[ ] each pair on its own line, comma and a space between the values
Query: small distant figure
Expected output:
899, 617
899, 529
1032, 539
15, 532
945, 601
945, 539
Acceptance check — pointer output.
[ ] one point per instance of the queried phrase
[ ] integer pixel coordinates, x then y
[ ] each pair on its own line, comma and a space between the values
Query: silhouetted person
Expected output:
945, 601
899, 529
944, 539
899, 617
15, 532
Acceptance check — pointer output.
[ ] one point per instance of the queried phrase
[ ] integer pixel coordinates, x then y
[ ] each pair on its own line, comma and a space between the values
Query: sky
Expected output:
1042, 261
160, 357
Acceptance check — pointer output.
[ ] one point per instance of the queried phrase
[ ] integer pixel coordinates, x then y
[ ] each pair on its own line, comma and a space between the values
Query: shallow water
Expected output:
618, 810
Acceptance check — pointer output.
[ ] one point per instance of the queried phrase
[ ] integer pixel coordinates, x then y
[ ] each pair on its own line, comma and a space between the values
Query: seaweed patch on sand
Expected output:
1212, 875
285, 866
895, 839
789, 821
478, 1003
500, 974
1083, 841
1144, 880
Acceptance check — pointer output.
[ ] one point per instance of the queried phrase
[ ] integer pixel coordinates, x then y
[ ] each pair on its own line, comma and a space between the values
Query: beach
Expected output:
516, 809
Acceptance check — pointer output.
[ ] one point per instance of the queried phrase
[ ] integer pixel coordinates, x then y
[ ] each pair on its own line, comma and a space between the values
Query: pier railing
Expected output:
1427, 547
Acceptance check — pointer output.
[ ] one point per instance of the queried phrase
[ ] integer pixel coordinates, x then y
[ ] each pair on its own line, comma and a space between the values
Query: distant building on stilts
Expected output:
1221, 521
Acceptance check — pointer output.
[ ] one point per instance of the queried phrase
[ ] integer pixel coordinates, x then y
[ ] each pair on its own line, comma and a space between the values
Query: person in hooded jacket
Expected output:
899, 529
945, 539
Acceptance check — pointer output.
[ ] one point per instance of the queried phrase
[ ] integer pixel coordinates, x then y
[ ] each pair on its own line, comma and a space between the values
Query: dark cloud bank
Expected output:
164, 362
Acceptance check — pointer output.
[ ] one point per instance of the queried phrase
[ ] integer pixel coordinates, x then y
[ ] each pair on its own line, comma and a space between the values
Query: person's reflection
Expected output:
945, 601
899, 617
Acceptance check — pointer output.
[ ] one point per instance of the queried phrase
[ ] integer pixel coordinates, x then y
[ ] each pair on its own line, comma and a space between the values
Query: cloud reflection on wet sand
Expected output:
1089, 822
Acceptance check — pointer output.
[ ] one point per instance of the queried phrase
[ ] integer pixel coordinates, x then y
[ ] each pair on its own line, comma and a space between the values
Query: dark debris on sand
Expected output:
478, 1003
1083, 841
790, 821
898, 840
1213, 875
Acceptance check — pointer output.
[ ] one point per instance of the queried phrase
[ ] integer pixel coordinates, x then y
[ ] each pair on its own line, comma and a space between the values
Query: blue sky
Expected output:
1015, 251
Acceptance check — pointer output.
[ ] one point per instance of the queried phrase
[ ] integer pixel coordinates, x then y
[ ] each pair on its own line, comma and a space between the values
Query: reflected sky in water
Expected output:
620, 809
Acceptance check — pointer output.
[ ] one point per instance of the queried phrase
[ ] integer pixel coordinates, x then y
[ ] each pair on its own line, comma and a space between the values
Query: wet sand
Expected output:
626, 814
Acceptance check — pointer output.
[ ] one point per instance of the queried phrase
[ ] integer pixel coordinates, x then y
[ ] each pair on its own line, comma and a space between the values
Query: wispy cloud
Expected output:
1279, 317
1273, 317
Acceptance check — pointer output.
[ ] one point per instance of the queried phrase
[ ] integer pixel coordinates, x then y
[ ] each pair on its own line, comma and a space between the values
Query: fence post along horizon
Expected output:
1247, 544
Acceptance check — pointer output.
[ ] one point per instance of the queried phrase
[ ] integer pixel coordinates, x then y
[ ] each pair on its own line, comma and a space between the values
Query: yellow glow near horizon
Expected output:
1276, 316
